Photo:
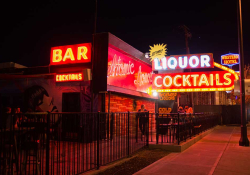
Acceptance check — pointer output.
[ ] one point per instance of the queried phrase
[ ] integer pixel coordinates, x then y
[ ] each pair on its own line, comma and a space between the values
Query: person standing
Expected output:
190, 110
142, 119
7, 118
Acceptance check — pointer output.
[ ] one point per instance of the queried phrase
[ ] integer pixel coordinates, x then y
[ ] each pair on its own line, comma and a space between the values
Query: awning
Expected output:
129, 92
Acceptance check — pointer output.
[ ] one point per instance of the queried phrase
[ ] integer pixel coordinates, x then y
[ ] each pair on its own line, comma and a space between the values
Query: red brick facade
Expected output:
120, 103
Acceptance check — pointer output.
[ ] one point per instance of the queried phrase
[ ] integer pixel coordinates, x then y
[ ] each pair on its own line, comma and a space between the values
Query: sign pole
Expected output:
243, 140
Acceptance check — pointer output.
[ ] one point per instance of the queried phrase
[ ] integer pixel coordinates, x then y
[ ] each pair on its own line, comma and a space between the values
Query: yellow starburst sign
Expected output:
158, 51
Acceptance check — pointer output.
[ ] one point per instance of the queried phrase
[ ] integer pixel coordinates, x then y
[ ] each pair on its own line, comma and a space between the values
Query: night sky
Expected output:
31, 28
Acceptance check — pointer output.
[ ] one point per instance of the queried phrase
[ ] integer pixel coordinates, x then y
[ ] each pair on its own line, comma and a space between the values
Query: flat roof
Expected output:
8, 65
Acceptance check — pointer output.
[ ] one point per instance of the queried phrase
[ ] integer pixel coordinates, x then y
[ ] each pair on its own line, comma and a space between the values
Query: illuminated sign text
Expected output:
230, 59
195, 81
167, 96
165, 110
143, 78
69, 77
183, 62
158, 51
79, 53
126, 71
117, 68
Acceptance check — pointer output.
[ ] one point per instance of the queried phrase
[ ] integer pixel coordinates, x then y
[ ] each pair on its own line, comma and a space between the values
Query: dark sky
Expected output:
30, 28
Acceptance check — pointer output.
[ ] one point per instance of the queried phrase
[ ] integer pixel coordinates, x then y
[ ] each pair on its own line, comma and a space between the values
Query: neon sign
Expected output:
230, 59
126, 71
184, 62
158, 51
70, 54
69, 77
193, 82
117, 68
167, 96
227, 69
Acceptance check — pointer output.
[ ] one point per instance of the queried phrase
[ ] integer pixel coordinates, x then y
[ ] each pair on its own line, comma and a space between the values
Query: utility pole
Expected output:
92, 62
187, 36
243, 139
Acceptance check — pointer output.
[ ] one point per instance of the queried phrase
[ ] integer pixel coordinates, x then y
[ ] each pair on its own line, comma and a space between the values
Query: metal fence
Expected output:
174, 128
73, 143
67, 143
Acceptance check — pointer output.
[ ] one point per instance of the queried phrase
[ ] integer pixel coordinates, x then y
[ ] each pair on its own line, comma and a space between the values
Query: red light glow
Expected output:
193, 82
69, 77
70, 54
127, 72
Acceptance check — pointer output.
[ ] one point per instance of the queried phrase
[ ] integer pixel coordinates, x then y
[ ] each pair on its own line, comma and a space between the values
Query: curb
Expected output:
183, 146
108, 166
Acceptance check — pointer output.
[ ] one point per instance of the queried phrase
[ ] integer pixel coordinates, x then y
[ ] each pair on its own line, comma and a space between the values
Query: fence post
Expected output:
190, 125
147, 131
98, 138
178, 133
157, 127
111, 126
47, 143
128, 136
136, 127
108, 126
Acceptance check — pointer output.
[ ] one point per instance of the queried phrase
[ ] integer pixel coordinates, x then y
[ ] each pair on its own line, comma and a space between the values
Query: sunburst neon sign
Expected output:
158, 51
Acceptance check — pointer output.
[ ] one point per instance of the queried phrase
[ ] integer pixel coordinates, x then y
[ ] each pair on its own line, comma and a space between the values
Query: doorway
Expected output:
71, 121
71, 102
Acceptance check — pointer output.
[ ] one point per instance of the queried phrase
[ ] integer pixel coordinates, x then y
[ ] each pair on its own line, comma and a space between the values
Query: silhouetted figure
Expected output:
142, 119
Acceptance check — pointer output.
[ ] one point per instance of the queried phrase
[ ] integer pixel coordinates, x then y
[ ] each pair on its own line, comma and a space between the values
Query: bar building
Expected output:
118, 75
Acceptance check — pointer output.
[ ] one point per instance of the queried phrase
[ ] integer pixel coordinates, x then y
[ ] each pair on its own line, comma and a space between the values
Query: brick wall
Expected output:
120, 103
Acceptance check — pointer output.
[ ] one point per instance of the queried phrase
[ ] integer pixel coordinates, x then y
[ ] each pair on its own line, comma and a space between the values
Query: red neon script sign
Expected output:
195, 81
70, 54
127, 72
69, 77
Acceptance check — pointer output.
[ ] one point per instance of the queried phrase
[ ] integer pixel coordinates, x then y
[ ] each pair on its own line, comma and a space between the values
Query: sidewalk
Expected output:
218, 153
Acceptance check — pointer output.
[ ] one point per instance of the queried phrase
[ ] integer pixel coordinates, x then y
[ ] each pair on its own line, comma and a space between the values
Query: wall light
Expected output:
155, 94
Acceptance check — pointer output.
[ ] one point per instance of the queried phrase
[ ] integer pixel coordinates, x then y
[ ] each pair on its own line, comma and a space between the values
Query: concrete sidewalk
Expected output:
217, 153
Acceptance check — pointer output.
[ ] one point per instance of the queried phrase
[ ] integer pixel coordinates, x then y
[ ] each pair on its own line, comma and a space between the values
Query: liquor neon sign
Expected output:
230, 59
69, 77
70, 54
193, 82
189, 61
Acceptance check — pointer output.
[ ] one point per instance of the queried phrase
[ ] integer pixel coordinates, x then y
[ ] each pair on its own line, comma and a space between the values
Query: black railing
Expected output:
67, 143
73, 143
178, 127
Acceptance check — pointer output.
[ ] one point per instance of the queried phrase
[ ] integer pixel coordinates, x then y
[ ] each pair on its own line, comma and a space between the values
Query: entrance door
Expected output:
71, 102
71, 122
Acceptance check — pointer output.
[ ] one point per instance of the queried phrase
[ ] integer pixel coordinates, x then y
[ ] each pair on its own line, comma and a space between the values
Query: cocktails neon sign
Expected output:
193, 82
70, 54
69, 77
230, 59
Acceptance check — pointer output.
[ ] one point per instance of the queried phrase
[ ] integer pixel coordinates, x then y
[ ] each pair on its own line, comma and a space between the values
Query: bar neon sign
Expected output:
189, 61
193, 82
69, 77
230, 59
70, 54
